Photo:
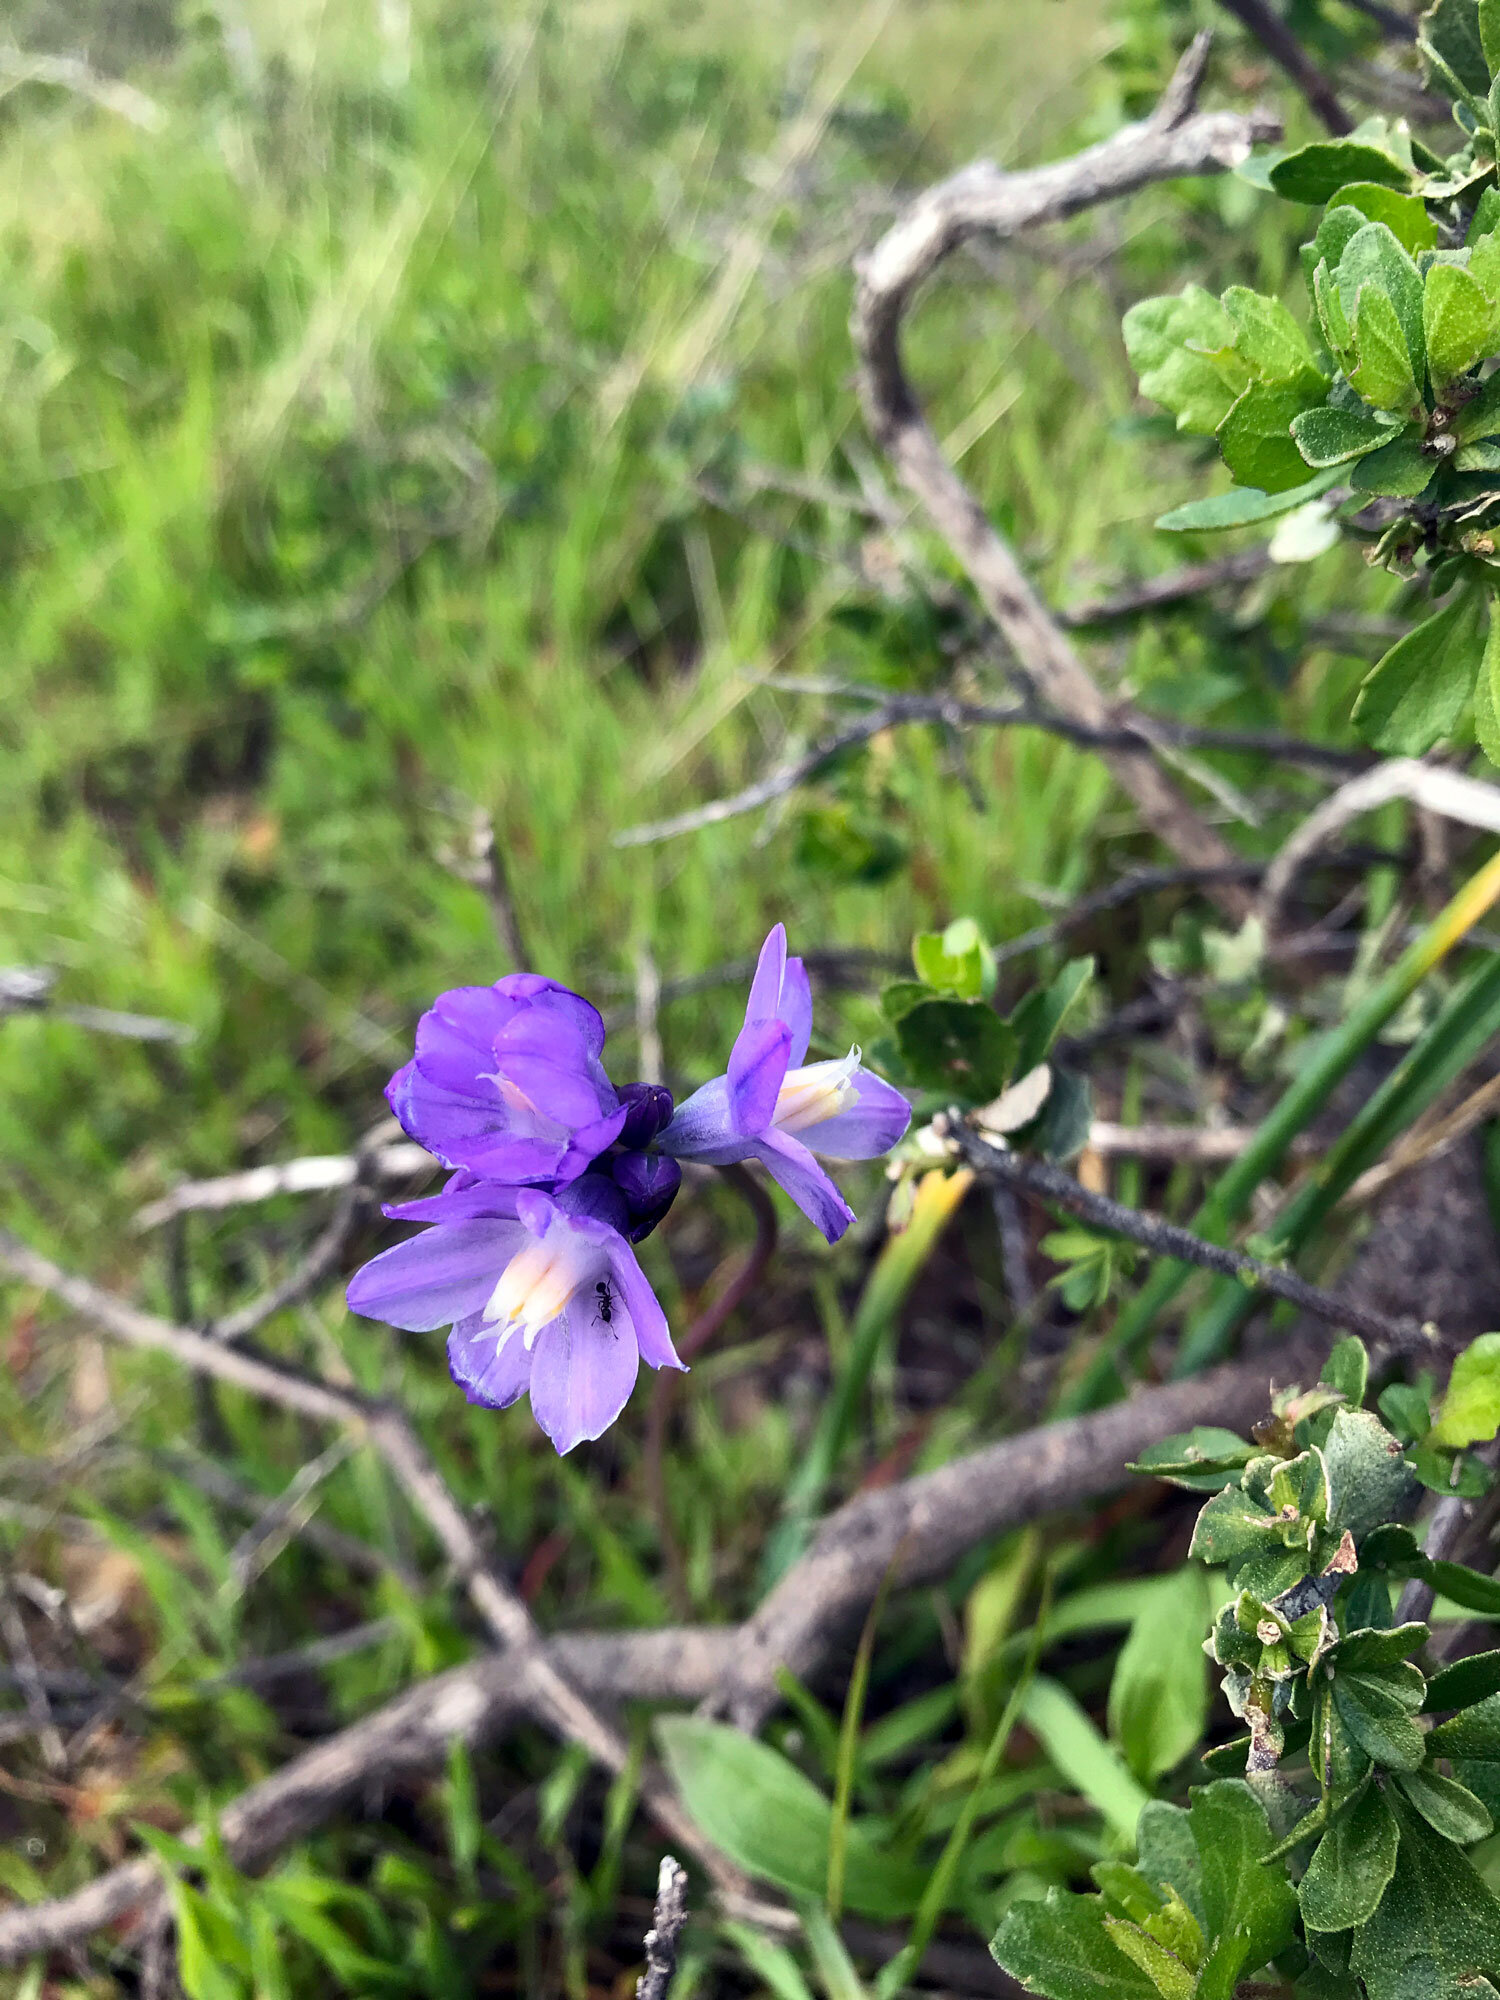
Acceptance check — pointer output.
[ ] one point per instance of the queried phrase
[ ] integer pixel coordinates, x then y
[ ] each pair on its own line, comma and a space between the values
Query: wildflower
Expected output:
543, 1293
772, 1107
507, 1082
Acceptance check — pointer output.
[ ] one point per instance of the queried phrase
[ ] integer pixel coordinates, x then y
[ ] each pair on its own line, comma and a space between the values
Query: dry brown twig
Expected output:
667, 1922
984, 201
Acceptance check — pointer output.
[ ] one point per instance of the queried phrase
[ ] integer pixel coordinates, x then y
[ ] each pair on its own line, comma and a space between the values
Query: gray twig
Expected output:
1167, 1239
670, 1915
26, 989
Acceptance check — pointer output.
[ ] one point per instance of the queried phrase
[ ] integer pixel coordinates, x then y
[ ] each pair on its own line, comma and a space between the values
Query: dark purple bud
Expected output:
648, 1110
595, 1195
649, 1182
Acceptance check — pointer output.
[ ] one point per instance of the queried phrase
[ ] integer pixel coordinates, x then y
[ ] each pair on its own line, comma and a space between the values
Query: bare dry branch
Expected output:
668, 1918
984, 201
316, 1174
1278, 41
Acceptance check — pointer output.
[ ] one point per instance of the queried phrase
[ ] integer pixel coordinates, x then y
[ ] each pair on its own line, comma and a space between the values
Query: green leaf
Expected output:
1458, 322
1182, 350
1377, 1709
1159, 1695
1249, 1909
1489, 33
1382, 370
1451, 31
1256, 442
1487, 689
1060, 1947
1203, 1460
1465, 1586
1169, 1854
1368, 1479
1466, 1681
1415, 694
1374, 257
901, 996
1334, 321
1075, 1746
954, 960
1351, 1865
1437, 1927
1043, 1014
1270, 342
1327, 436
1447, 1806
1473, 1732
1165, 1970
1318, 172
1470, 1412
1232, 1529
1380, 1646
959, 1046
1480, 416
1347, 1369
1242, 507
1405, 215
1400, 470
775, 1822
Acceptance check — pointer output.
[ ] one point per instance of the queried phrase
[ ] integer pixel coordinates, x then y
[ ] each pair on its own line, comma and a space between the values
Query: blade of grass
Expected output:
1103, 1380
848, 1752
903, 1968
1464, 1025
836, 1970
897, 1269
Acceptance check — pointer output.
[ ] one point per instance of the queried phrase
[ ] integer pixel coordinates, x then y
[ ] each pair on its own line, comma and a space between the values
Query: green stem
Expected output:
1104, 1378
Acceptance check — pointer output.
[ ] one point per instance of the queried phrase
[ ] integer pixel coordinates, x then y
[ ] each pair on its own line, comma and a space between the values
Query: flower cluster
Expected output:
557, 1174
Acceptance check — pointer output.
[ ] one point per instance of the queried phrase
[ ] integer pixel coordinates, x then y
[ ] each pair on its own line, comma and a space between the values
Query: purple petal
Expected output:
703, 1129
866, 1129
552, 1089
643, 1311
796, 1010
441, 1276
486, 1372
798, 1174
464, 1199
764, 1003
582, 1373
757, 1064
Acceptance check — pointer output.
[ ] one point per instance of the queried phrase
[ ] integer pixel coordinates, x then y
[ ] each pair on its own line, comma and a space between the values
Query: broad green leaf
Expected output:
1405, 215
1415, 694
1126, 1890
1351, 1865
1338, 331
1470, 1412
1060, 1947
901, 996
1446, 1805
1075, 1746
1368, 1480
1473, 1732
1382, 370
1451, 31
1165, 1970
1233, 1528
1270, 342
1466, 1681
1318, 172
1182, 349
1480, 416
1159, 1696
1379, 1647
1486, 217
1437, 1928
1481, 456
1374, 257
1256, 443
1327, 436
1248, 1909
1489, 33
1486, 690
953, 961
1168, 1853
1458, 323
775, 1822
1240, 508
1377, 1709
958, 1046
1400, 470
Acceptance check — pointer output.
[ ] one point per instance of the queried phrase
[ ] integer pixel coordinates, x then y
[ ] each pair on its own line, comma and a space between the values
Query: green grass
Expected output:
354, 424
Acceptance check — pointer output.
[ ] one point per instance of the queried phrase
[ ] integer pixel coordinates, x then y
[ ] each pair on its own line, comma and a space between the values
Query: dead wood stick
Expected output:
1283, 47
984, 201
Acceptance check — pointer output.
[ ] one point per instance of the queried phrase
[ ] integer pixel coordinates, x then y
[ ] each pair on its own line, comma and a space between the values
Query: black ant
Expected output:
606, 1300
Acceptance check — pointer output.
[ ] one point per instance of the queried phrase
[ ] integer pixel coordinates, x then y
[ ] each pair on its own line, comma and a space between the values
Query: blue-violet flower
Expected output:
772, 1107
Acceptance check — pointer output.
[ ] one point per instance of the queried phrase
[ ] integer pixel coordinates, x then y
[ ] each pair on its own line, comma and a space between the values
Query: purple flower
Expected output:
507, 1082
772, 1107
543, 1293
